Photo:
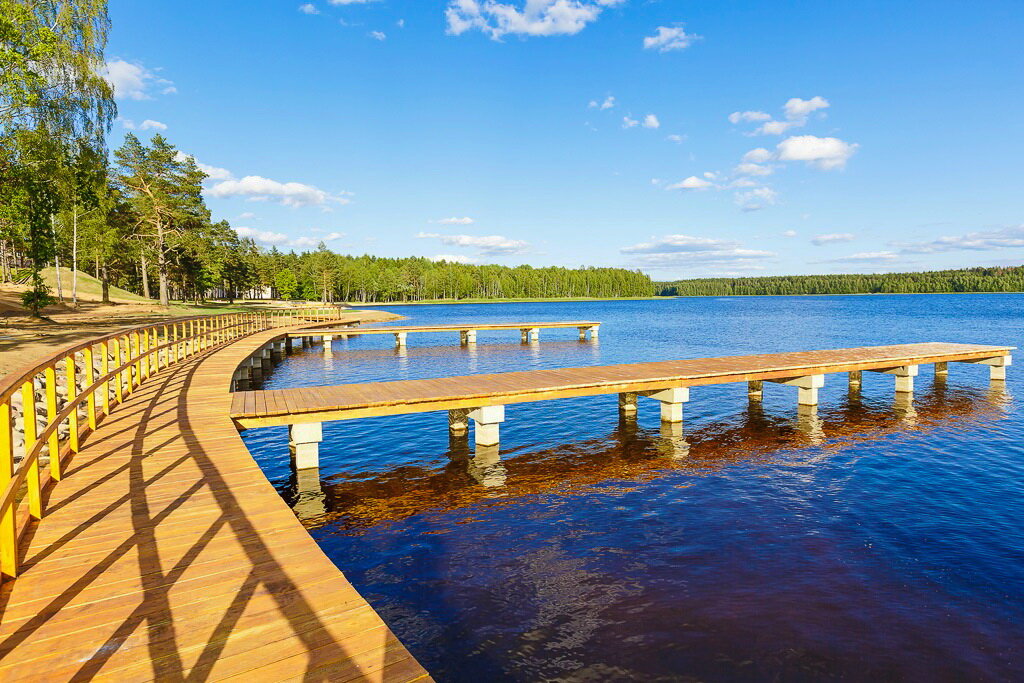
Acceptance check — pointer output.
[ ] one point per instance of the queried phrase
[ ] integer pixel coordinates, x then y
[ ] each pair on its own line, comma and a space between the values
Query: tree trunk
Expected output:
74, 259
145, 275
161, 265
56, 256
105, 283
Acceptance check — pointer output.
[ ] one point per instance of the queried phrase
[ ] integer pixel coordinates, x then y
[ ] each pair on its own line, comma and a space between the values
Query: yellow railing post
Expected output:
28, 405
119, 376
50, 374
104, 369
145, 358
8, 532
70, 371
90, 378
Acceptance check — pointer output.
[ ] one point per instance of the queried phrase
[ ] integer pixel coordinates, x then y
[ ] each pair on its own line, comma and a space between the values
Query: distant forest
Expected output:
1009, 279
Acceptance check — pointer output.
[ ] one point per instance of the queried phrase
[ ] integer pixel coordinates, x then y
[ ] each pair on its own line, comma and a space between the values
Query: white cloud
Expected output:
400, 23
669, 38
823, 153
691, 183
486, 244
280, 239
150, 124
651, 121
455, 258
990, 240
212, 172
796, 112
133, 81
777, 127
629, 123
758, 155
748, 116
789, 233
308, 8
608, 103
687, 250
832, 238
535, 18
246, 216
678, 139
756, 199
455, 220
747, 168
378, 35
258, 188
866, 257
797, 108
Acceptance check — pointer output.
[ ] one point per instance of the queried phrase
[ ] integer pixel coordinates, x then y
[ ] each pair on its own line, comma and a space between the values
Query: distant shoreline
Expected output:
435, 302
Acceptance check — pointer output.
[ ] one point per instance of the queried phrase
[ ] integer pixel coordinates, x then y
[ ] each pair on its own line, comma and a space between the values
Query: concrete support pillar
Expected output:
255, 368
288, 345
905, 375
458, 420
942, 369
627, 404
855, 380
672, 401
328, 340
486, 424
583, 333
266, 359
594, 331
996, 366
467, 337
807, 386
241, 379
755, 390
304, 443
400, 338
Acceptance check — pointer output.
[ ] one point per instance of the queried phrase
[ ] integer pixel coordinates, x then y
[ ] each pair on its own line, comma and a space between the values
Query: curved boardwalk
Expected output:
165, 554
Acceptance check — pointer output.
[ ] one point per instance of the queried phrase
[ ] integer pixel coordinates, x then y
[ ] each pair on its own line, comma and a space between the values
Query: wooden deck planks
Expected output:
389, 398
391, 329
166, 554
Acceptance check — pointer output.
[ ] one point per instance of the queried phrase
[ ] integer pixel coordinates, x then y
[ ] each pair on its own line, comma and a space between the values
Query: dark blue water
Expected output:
877, 540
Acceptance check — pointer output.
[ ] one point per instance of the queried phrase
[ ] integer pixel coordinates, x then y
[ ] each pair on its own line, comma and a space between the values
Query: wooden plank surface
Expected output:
167, 555
347, 401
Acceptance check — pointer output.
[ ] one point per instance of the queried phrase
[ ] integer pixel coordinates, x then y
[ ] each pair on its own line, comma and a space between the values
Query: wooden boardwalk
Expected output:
166, 554
529, 331
346, 401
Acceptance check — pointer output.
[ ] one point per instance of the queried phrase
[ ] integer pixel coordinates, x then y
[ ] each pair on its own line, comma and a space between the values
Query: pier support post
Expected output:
255, 368
905, 375
328, 339
400, 338
467, 337
486, 468
530, 334
583, 333
942, 370
672, 401
486, 424
241, 379
458, 420
288, 345
309, 494
855, 380
673, 441
755, 390
304, 444
807, 394
594, 332
266, 359
627, 404
996, 366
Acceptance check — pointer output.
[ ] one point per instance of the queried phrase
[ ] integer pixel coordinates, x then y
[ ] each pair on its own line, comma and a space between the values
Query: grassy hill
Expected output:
89, 288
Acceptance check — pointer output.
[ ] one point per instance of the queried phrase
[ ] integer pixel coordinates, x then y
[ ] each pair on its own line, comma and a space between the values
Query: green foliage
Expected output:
286, 283
1009, 279
37, 298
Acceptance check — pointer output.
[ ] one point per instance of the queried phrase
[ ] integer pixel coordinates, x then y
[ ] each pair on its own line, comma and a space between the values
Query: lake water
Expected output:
878, 541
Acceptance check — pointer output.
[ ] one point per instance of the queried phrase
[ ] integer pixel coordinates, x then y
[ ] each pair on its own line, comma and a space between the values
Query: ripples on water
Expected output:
875, 540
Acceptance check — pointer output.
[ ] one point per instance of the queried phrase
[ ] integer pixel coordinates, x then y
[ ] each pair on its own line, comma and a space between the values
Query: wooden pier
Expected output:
162, 552
482, 398
528, 331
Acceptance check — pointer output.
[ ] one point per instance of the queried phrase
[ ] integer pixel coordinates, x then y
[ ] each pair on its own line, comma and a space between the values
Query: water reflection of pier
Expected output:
631, 454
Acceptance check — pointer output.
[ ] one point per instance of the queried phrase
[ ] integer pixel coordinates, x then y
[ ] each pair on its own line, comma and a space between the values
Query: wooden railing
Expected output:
48, 407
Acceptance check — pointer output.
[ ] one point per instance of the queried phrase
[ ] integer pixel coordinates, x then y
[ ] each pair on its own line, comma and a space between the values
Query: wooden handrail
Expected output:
138, 353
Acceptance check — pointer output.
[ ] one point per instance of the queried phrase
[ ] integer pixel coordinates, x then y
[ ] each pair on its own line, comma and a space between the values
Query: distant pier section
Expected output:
528, 331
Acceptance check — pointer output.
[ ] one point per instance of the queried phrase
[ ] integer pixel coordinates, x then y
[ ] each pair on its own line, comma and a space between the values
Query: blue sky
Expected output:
685, 139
